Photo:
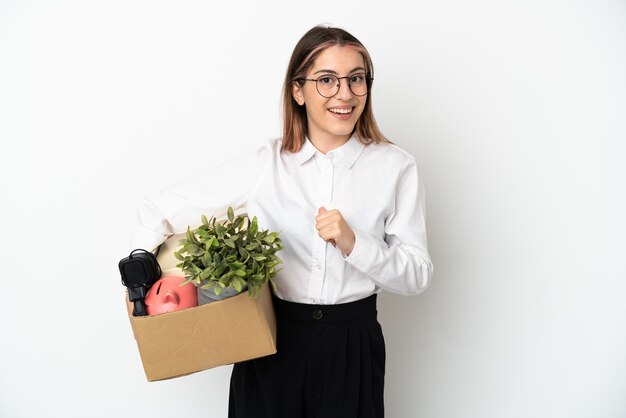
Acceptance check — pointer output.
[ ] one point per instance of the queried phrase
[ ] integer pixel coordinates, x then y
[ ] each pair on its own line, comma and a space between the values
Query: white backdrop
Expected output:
514, 110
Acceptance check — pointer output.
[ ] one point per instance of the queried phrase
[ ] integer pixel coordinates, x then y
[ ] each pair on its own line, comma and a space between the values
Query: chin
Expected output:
344, 130
341, 135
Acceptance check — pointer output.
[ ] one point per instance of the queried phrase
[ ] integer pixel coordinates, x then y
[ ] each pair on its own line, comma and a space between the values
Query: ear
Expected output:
296, 93
171, 297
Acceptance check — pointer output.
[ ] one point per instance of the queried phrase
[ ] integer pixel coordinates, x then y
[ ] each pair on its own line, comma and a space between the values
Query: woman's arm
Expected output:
211, 192
400, 263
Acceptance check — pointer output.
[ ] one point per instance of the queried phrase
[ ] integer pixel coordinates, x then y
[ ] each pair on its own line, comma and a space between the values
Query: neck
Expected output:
324, 145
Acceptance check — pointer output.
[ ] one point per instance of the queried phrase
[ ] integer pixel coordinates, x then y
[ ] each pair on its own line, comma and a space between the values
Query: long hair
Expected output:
308, 48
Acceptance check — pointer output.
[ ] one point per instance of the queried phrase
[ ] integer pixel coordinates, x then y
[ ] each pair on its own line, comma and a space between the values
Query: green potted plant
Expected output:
223, 259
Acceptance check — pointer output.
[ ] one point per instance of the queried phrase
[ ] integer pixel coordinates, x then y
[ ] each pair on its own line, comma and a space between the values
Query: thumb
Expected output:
321, 210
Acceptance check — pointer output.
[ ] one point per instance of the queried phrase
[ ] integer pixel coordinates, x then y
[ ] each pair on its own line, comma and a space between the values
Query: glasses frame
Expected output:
368, 81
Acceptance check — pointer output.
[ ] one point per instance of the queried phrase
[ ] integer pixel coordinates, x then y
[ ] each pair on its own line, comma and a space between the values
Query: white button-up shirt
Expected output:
376, 188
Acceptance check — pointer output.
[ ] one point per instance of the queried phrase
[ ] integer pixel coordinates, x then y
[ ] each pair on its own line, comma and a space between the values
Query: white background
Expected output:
514, 110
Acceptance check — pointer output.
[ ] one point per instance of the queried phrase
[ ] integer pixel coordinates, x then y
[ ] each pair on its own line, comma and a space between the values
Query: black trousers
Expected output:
330, 364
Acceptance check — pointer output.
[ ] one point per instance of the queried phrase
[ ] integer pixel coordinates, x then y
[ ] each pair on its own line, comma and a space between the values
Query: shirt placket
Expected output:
319, 246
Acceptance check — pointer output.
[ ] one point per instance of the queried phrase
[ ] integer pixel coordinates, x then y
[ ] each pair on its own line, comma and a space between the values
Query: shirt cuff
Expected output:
364, 252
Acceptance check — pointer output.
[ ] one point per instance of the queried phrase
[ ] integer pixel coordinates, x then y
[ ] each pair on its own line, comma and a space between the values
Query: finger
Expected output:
324, 223
327, 235
322, 213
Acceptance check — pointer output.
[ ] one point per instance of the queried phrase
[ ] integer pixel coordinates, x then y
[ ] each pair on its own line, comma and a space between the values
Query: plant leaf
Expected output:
254, 227
237, 285
179, 256
205, 274
236, 265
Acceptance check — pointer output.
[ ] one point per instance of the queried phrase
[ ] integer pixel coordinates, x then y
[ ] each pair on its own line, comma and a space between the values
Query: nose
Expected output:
344, 92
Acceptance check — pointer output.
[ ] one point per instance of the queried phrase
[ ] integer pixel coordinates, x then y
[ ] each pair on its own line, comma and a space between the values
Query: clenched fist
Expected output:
332, 228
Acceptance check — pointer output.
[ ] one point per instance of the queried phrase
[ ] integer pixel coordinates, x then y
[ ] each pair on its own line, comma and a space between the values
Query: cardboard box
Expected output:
225, 332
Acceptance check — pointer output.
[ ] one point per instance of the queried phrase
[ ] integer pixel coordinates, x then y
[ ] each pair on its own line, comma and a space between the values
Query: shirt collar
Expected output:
348, 153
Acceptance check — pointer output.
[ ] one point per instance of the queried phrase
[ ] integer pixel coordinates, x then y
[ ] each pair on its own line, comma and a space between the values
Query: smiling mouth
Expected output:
341, 111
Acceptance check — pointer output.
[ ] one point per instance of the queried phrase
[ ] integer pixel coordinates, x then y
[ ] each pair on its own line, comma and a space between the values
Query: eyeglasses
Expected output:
328, 85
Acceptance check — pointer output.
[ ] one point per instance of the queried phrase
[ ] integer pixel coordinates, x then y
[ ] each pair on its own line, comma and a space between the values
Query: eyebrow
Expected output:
335, 72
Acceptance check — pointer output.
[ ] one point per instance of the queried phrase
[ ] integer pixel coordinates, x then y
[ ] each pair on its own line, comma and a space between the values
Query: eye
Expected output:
327, 80
357, 78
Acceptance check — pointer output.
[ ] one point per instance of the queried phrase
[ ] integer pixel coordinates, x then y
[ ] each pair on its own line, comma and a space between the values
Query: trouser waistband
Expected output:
325, 313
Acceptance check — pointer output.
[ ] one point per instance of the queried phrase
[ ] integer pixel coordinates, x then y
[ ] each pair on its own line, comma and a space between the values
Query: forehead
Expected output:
339, 59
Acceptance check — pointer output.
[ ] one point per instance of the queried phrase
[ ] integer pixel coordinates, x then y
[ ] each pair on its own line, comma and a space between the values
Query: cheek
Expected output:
310, 95
361, 108
315, 105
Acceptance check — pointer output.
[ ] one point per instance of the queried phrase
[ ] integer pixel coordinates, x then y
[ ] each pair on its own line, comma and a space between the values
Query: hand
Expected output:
332, 228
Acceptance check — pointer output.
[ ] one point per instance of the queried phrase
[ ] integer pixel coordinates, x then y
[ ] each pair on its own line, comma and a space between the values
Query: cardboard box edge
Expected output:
264, 310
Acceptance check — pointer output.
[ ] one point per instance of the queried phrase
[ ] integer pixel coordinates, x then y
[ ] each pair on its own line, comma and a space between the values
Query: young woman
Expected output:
350, 208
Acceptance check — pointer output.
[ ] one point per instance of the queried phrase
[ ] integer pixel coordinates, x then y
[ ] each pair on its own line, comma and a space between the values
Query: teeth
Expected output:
343, 111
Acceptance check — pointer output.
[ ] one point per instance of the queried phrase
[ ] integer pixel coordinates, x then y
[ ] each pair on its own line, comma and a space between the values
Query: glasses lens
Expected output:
358, 84
328, 85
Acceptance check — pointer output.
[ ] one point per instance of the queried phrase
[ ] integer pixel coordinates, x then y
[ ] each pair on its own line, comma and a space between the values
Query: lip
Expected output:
342, 116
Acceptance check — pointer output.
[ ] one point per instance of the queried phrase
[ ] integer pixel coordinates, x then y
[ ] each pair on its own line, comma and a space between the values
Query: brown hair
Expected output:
304, 54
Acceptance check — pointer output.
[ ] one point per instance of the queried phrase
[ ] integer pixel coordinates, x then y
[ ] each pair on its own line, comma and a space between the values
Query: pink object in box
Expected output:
167, 295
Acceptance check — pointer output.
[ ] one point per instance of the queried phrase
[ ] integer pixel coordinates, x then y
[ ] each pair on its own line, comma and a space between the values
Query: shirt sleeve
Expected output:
181, 204
401, 263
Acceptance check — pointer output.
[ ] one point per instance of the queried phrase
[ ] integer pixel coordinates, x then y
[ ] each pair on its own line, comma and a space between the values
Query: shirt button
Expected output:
317, 314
